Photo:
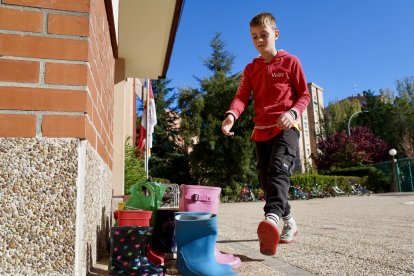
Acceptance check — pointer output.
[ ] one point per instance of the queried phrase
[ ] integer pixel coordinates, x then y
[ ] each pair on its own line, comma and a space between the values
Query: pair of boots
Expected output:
128, 252
198, 206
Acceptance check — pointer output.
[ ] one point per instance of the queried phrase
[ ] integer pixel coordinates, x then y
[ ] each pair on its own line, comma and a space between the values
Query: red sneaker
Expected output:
269, 236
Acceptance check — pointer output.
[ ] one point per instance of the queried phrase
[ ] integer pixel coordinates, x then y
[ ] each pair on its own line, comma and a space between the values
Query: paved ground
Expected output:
356, 235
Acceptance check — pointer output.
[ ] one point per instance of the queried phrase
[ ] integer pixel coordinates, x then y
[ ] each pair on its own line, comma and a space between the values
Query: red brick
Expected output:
43, 47
63, 126
63, 73
96, 121
110, 164
24, 98
92, 87
68, 24
95, 66
106, 124
90, 132
101, 150
19, 70
66, 5
16, 125
18, 20
89, 107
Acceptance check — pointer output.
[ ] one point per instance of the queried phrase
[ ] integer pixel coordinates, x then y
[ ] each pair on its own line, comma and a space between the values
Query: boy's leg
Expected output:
263, 153
263, 150
275, 164
267, 230
280, 167
290, 228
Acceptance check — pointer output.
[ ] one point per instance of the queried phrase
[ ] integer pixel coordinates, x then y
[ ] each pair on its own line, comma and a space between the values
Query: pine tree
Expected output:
215, 159
169, 160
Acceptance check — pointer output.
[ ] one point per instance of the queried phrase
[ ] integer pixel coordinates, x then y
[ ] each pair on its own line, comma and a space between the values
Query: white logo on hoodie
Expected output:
278, 75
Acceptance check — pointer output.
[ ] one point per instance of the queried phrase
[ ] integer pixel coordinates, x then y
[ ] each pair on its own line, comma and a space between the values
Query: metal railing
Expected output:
404, 171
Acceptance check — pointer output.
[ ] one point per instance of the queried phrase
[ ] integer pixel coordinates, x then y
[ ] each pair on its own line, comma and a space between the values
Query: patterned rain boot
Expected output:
128, 252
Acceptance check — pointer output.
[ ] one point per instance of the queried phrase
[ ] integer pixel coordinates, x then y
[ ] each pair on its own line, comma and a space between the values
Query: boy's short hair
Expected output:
263, 19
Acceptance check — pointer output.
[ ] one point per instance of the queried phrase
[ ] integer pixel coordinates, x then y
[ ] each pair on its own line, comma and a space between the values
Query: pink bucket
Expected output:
195, 198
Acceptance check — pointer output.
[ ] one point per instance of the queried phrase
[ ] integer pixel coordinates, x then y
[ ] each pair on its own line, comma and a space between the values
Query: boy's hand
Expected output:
285, 121
227, 125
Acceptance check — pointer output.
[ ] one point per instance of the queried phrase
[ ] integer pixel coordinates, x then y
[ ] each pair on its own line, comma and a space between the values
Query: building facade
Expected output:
310, 124
66, 107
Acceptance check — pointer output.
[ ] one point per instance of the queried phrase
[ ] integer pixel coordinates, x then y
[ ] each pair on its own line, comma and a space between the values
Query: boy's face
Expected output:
263, 38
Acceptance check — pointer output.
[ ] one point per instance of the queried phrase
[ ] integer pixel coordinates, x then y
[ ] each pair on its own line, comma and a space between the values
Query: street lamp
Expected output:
394, 187
349, 121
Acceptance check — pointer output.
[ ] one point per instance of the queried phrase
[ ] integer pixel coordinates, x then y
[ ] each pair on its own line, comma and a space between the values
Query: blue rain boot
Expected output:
195, 235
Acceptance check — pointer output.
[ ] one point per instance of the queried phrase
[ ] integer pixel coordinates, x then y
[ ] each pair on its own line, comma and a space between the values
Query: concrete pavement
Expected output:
355, 235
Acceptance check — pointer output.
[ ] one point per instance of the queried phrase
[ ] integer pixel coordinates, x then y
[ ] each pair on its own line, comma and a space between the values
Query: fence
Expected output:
405, 173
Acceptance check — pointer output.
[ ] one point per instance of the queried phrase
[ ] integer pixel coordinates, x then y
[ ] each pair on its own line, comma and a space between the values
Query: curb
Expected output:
272, 262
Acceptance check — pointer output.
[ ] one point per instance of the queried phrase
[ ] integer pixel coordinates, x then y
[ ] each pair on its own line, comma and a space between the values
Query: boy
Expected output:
280, 96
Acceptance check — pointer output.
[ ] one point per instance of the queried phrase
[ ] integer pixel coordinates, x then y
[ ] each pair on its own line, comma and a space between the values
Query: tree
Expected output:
341, 151
391, 116
134, 167
169, 160
405, 88
191, 103
405, 105
215, 159
336, 116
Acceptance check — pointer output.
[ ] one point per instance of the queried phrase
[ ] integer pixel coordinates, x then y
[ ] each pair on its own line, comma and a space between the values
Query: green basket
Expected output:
145, 196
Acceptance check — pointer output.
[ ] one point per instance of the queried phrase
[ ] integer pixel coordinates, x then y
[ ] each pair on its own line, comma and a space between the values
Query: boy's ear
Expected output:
277, 33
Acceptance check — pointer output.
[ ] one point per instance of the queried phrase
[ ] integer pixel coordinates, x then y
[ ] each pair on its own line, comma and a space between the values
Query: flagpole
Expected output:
147, 128
144, 99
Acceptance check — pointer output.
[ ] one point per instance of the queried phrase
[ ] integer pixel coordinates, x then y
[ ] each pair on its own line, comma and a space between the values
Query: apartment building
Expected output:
310, 123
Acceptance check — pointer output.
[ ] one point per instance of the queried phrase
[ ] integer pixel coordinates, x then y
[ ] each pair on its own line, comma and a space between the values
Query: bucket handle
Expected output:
197, 197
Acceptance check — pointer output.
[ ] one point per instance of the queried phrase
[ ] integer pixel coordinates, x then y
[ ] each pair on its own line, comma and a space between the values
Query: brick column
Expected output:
56, 112
57, 71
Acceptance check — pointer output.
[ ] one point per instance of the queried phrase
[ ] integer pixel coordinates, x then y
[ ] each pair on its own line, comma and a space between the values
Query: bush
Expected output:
307, 182
372, 178
134, 167
229, 194
161, 180
258, 193
324, 182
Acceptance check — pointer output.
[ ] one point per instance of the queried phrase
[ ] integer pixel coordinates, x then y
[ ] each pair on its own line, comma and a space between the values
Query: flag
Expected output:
152, 120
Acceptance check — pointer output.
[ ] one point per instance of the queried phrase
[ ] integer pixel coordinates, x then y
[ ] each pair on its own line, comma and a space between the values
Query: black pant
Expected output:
275, 163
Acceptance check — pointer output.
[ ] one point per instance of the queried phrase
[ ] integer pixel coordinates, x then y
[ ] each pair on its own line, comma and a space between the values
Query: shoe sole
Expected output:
268, 237
289, 241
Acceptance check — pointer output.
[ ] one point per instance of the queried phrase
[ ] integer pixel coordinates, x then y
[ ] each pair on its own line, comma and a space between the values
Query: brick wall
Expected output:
56, 77
100, 82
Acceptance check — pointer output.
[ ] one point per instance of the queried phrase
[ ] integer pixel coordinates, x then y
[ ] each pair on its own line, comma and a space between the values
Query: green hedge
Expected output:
324, 182
372, 178
307, 182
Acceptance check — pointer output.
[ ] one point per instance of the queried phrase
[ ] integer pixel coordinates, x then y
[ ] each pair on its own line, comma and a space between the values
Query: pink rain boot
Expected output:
196, 198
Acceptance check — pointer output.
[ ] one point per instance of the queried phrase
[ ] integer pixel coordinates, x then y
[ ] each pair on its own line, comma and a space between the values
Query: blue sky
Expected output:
345, 47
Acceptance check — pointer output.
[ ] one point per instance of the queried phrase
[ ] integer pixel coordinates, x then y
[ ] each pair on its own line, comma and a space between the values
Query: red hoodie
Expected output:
278, 86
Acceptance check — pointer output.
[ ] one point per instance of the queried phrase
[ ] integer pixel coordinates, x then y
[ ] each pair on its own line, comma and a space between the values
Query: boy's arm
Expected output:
300, 87
241, 99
